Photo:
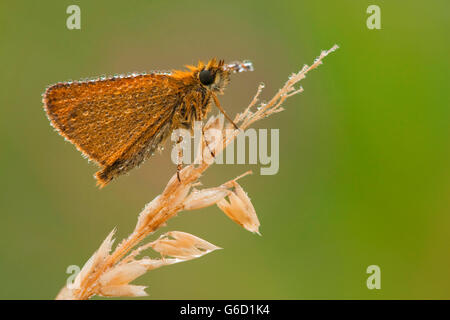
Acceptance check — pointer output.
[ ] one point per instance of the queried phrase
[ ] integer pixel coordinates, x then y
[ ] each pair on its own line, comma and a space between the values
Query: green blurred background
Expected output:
364, 152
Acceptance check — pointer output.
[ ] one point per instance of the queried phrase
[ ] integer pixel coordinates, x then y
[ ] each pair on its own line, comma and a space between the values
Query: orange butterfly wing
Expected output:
107, 118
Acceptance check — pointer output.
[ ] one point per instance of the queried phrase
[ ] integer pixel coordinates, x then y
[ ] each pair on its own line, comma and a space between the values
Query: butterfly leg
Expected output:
179, 157
217, 103
213, 154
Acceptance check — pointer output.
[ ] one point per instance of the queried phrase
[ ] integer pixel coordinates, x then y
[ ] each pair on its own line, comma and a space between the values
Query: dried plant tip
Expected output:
94, 261
182, 245
150, 210
240, 209
126, 290
122, 274
104, 250
204, 198
152, 264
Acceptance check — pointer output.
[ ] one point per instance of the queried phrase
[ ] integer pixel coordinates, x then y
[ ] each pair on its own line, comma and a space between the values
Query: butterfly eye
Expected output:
206, 77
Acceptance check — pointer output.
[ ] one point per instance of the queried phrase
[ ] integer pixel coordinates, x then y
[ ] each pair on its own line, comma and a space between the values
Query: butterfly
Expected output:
119, 122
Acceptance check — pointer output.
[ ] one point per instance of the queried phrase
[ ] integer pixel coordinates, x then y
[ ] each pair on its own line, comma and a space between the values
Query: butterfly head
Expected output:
214, 75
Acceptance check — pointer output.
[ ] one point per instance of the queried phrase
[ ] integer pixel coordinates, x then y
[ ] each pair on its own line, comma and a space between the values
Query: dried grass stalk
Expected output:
109, 273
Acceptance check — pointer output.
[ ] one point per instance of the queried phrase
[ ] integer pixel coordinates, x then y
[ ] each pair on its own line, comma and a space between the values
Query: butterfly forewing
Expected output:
106, 118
